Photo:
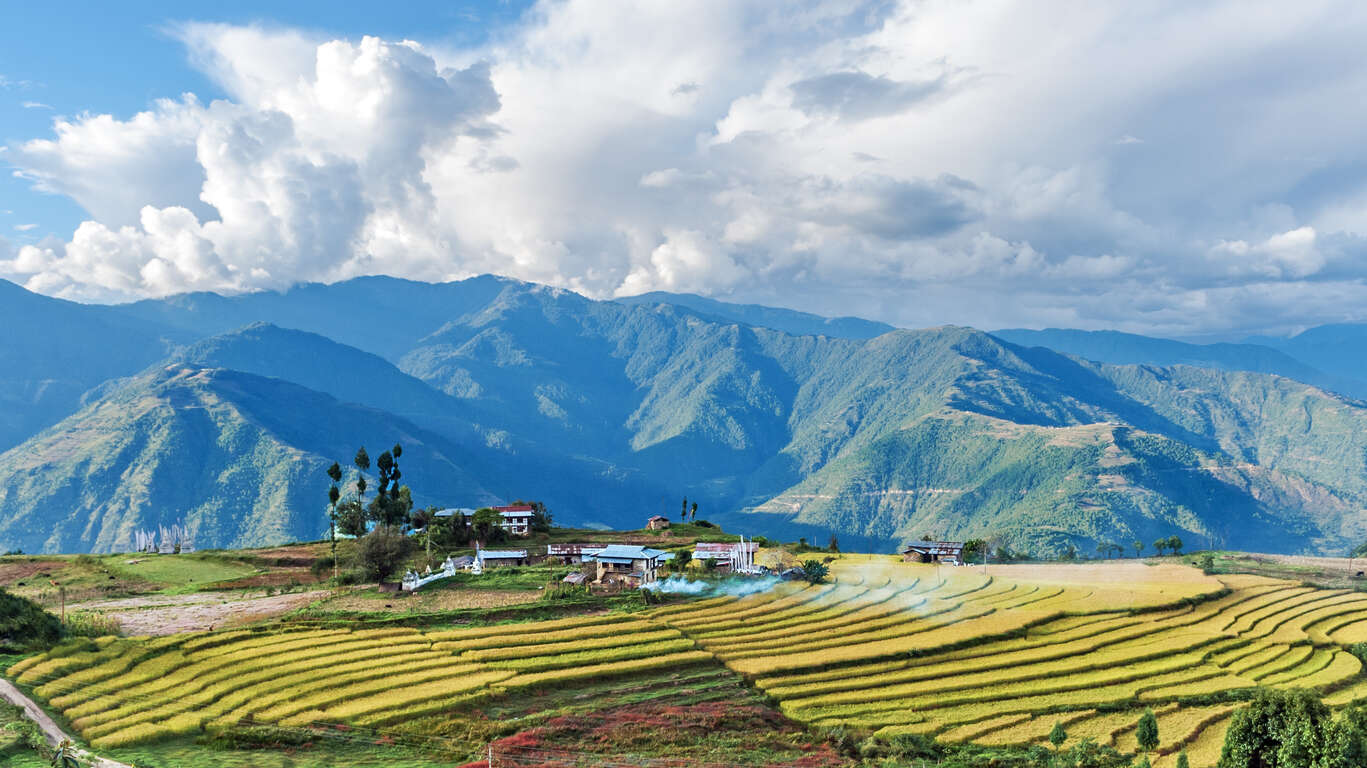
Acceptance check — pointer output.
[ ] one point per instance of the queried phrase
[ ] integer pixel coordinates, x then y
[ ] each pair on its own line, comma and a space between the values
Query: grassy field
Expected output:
102, 577
990, 656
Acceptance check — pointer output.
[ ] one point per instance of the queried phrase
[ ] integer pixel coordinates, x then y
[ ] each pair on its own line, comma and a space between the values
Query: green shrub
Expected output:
383, 551
91, 624
25, 626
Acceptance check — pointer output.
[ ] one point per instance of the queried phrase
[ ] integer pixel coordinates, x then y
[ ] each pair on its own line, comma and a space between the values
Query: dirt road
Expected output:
51, 731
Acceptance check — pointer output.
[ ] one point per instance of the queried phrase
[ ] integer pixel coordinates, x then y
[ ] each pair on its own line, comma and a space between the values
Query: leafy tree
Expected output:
815, 571
683, 511
424, 519
973, 550
385, 465
25, 626
541, 515
334, 494
834, 544
453, 531
1070, 553
351, 517
709, 564
1288, 729
1138, 547
1351, 736
388, 466
1208, 563
1104, 550
362, 462
487, 524
1160, 545
383, 551
682, 558
1058, 735
1147, 731
1175, 544
392, 509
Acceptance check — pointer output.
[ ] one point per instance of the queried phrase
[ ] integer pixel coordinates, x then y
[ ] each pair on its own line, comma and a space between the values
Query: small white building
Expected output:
517, 519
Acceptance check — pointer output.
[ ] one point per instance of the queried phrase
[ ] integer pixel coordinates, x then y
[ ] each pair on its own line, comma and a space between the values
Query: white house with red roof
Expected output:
517, 519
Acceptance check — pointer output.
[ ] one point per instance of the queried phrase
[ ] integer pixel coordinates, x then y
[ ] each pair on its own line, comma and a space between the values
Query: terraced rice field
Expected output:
992, 657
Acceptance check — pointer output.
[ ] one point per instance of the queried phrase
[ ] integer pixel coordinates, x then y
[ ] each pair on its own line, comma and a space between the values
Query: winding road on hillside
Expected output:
51, 731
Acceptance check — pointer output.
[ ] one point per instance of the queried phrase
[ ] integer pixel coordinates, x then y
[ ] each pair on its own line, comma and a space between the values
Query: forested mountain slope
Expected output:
611, 411
236, 457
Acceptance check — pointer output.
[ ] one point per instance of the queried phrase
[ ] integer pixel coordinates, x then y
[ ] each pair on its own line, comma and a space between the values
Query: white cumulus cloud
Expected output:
925, 162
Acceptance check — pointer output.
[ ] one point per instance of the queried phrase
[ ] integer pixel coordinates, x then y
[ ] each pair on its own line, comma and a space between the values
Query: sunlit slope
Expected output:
995, 655
234, 456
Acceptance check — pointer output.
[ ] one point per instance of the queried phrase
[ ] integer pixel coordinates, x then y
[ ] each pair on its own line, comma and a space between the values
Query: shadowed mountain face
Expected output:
233, 455
612, 411
52, 351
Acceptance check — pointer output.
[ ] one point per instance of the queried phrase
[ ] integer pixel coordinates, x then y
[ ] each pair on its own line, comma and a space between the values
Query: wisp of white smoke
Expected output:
737, 587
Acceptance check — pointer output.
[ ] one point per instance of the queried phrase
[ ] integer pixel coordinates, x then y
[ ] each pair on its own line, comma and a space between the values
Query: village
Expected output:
609, 566
604, 565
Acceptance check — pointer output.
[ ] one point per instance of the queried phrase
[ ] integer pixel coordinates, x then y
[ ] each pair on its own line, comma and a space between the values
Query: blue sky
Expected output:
62, 59
1174, 168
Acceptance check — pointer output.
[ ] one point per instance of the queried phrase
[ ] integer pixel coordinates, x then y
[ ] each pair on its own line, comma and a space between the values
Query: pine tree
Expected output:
334, 493
1147, 731
362, 462
1058, 735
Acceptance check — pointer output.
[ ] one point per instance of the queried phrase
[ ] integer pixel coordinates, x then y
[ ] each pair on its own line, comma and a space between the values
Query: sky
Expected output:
1187, 169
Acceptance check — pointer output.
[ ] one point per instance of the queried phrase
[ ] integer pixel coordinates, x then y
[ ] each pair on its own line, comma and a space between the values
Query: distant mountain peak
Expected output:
787, 320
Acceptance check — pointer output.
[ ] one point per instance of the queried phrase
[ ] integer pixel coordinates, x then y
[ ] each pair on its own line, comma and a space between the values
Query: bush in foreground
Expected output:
25, 626
1294, 729
383, 551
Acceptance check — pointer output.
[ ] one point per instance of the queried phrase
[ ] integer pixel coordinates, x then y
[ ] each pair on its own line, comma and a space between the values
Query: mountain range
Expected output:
223, 411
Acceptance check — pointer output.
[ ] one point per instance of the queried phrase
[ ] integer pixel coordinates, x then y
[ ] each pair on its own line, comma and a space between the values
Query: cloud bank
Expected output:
1172, 169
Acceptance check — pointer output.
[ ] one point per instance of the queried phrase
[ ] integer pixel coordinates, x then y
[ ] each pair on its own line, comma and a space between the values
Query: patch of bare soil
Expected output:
170, 614
27, 569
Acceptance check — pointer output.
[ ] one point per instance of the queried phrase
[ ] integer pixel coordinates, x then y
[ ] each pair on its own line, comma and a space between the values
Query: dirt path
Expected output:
171, 614
51, 731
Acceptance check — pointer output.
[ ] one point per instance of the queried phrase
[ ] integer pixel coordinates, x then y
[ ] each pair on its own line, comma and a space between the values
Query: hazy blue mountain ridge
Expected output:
612, 410
1259, 355
786, 320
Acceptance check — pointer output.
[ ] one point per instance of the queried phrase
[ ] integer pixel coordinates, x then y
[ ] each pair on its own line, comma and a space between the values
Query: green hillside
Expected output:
235, 457
611, 411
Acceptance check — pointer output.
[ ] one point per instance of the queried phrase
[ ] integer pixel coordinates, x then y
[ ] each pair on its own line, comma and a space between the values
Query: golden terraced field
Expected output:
993, 657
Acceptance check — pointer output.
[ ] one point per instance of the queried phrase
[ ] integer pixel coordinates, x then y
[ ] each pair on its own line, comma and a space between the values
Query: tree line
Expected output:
382, 525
